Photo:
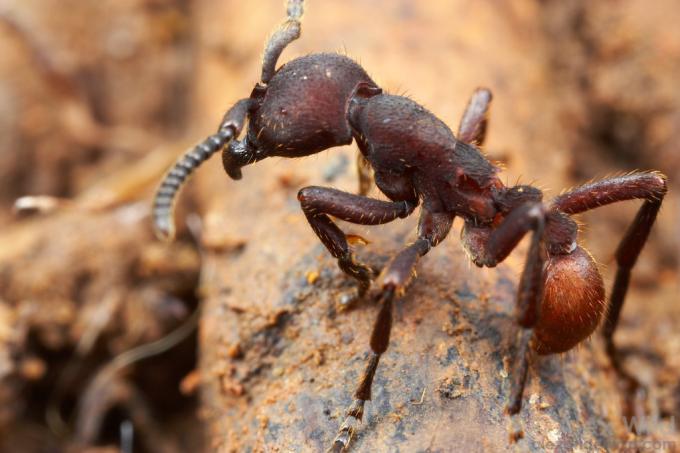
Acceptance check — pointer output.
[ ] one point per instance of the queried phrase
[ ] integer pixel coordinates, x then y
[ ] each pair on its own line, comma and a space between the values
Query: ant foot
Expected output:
362, 273
354, 415
358, 270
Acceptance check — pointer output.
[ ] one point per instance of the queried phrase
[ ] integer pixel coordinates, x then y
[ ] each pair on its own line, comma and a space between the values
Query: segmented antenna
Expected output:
295, 9
166, 195
288, 32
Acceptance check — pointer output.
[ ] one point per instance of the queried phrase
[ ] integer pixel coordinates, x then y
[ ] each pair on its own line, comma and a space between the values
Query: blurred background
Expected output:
97, 99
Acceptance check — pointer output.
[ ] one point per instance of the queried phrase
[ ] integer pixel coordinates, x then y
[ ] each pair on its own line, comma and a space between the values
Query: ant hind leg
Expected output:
648, 186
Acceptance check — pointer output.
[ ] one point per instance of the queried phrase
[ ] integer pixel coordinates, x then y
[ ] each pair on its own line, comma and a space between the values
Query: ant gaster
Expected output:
319, 101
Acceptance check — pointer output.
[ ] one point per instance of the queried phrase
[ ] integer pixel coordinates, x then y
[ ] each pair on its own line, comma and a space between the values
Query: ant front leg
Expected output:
652, 188
432, 229
320, 202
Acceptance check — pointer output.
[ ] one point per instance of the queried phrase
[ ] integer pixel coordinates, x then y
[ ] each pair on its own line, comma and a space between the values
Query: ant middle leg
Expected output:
494, 248
473, 124
432, 229
530, 291
318, 203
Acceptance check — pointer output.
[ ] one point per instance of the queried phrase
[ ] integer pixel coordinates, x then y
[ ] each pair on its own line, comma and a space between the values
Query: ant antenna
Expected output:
288, 32
166, 195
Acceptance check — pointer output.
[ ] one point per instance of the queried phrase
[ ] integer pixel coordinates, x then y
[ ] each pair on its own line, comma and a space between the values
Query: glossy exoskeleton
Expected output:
324, 100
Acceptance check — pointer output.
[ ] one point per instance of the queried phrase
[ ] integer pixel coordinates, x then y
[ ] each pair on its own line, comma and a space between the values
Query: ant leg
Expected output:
652, 188
380, 338
166, 194
365, 173
320, 202
530, 291
472, 128
288, 32
500, 242
432, 229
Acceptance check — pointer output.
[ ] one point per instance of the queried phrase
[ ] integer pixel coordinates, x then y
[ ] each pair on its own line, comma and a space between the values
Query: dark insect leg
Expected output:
529, 299
652, 188
164, 200
432, 229
626, 255
472, 127
380, 338
320, 202
501, 241
288, 32
365, 173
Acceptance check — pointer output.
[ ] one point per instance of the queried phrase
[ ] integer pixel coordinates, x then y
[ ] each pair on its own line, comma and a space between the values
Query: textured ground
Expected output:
97, 99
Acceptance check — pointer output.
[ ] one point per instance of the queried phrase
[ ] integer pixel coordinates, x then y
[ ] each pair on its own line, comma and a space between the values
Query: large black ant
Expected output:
319, 101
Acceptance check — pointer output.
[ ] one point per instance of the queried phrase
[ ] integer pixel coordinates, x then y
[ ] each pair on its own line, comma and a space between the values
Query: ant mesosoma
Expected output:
319, 101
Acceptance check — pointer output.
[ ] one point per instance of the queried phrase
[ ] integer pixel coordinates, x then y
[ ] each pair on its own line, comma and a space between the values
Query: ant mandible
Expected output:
319, 101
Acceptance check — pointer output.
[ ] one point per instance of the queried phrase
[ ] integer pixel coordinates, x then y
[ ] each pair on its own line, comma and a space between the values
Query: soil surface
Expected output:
99, 349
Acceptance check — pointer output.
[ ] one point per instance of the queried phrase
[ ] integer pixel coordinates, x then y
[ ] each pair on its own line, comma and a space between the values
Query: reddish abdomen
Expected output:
573, 302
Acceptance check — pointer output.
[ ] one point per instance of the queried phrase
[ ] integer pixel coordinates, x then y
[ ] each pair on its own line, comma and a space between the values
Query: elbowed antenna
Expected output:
164, 200
288, 32
166, 195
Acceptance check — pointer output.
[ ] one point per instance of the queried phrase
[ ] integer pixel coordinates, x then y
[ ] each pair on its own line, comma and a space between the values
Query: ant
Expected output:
323, 100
